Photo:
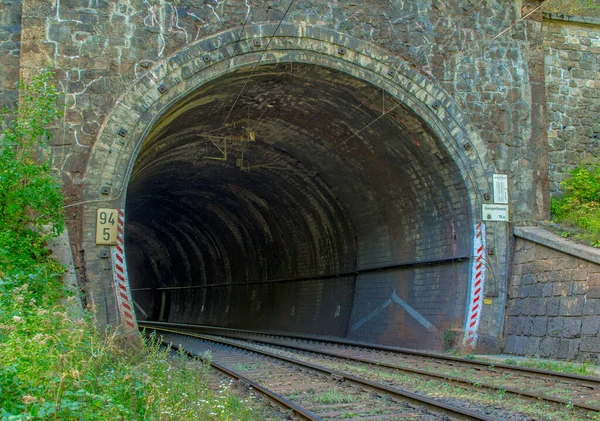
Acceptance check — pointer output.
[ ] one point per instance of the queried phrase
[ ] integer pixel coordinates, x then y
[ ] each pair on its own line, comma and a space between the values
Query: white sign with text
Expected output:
494, 212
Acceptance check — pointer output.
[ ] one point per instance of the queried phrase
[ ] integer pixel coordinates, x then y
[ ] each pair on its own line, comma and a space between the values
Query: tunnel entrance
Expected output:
298, 198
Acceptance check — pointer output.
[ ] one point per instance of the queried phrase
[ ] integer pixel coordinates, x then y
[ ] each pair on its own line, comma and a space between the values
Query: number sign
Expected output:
106, 227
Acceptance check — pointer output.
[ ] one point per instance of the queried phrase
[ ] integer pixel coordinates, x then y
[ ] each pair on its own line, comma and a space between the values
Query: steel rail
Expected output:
440, 408
280, 401
456, 379
588, 381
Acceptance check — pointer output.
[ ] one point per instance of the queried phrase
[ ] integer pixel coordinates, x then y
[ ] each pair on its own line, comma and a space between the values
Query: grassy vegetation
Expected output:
335, 396
504, 405
584, 369
580, 206
55, 367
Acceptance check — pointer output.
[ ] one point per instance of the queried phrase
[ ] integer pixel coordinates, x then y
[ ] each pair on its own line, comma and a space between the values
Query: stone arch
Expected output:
149, 97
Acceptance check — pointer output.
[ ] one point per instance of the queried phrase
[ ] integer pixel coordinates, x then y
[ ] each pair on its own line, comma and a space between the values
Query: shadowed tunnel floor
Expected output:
306, 209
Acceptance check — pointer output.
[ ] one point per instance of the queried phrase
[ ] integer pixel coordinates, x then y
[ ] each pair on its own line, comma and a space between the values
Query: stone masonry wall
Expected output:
484, 54
553, 305
10, 42
99, 47
573, 94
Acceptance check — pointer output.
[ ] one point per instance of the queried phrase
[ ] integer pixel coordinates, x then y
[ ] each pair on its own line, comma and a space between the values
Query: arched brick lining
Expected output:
139, 108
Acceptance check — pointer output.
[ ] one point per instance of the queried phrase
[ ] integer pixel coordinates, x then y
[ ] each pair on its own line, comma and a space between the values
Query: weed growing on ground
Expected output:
335, 396
584, 369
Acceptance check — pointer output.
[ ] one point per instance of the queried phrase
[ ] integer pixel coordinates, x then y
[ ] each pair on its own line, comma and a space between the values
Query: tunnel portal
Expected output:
298, 198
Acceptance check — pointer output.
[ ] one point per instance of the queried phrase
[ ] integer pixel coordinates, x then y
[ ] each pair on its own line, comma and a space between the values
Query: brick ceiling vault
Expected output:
297, 196
345, 203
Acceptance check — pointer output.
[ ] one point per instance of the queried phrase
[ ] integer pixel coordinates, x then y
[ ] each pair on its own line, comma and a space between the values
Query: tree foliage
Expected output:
580, 206
31, 202
573, 7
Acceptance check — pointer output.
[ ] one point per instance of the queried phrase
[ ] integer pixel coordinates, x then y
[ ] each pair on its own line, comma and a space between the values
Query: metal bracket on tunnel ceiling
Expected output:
121, 280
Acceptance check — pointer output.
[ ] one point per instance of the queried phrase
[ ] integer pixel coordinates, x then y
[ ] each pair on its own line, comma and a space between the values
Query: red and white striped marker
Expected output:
122, 292
476, 288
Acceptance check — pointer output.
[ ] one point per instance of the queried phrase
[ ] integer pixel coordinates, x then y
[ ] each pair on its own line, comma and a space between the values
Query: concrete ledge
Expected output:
589, 20
546, 238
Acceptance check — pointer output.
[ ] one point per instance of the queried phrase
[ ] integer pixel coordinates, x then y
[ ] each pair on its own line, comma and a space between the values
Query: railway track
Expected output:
311, 391
558, 388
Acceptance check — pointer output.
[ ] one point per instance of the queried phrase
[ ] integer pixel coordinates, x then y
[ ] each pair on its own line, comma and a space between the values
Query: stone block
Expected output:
535, 290
509, 327
59, 33
579, 288
572, 306
543, 253
513, 292
527, 325
578, 275
523, 291
529, 269
537, 307
562, 350
555, 327
562, 288
527, 279
539, 326
532, 346
590, 326
552, 306
514, 326
590, 345
525, 256
554, 276
593, 358
554, 348
525, 305
593, 292
510, 344
574, 345
547, 290
514, 307
589, 308
571, 327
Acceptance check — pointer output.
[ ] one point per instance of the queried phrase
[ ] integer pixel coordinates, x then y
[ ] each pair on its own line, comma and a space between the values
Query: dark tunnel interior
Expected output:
317, 204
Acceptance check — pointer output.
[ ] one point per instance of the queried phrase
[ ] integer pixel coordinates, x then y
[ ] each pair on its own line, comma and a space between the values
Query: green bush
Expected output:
31, 200
580, 205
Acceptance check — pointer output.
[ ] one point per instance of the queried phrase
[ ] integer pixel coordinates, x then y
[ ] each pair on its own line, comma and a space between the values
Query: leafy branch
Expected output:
30, 194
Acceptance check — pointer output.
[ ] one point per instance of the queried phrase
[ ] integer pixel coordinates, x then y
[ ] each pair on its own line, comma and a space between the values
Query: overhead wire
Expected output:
454, 25
545, 3
132, 161
355, 133
257, 63
421, 88
504, 31
410, 63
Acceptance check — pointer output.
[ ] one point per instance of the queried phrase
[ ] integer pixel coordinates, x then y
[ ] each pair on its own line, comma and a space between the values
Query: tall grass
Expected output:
54, 366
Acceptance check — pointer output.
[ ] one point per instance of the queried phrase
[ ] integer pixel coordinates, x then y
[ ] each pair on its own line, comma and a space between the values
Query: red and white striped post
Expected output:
122, 292
476, 287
